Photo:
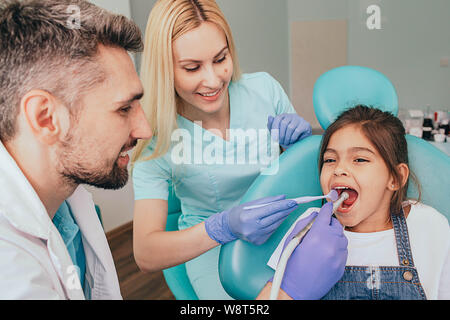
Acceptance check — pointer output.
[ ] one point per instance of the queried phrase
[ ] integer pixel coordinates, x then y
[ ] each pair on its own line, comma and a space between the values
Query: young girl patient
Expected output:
397, 248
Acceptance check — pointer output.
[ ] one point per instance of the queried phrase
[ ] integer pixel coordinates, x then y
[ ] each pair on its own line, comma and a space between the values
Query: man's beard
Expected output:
115, 179
75, 170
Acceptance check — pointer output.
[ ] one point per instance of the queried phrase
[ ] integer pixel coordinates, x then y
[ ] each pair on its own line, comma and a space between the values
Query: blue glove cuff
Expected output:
218, 229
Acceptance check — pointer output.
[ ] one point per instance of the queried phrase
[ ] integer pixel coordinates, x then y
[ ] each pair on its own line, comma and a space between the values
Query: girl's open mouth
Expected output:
347, 204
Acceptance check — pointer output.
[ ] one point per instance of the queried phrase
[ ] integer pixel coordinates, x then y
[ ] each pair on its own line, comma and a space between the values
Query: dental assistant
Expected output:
191, 74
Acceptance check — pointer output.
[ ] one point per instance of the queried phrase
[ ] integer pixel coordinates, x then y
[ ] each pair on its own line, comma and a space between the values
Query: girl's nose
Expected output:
340, 171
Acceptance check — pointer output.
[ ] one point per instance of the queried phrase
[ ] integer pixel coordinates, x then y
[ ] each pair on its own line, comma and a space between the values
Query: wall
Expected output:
140, 10
415, 35
311, 10
260, 31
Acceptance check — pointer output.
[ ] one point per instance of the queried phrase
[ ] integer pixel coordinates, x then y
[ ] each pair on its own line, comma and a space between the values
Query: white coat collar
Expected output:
22, 207
94, 239
19, 202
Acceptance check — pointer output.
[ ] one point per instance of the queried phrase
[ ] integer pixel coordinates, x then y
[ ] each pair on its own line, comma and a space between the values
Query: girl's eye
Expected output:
328, 160
361, 160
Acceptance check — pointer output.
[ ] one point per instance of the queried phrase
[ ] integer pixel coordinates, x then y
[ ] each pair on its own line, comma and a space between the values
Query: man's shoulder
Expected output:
17, 252
12, 238
23, 275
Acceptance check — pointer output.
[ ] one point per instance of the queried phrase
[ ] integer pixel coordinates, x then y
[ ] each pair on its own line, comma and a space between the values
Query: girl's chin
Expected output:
346, 217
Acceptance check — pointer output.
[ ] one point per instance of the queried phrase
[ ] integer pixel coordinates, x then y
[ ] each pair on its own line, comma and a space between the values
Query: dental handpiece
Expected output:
344, 196
279, 272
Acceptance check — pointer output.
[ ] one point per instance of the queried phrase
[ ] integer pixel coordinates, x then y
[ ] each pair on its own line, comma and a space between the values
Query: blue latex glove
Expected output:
319, 260
252, 225
291, 127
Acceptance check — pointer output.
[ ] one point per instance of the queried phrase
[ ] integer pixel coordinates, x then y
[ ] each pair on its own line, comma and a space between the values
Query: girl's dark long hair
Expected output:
387, 134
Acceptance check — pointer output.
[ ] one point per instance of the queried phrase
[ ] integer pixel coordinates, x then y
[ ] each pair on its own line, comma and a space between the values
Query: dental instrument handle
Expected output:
282, 263
299, 200
308, 199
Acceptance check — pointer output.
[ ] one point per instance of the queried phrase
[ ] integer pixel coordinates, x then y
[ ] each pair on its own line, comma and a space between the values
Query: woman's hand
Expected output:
291, 128
252, 225
319, 260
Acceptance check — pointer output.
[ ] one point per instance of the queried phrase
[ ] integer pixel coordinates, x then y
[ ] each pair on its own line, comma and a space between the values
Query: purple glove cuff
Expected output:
218, 229
293, 292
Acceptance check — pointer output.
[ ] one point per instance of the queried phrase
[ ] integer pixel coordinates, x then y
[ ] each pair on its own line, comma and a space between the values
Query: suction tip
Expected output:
345, 195
333, 195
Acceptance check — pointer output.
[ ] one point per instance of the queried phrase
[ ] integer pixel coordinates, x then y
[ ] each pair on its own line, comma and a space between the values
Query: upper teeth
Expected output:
341, 188
124, 154
209, 94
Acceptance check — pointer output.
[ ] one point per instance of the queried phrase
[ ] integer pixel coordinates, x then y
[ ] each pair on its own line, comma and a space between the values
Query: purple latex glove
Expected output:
319, 260
252, 225
291, 127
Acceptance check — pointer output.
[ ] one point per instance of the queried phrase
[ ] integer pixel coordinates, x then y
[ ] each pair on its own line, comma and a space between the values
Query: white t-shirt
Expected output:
429, 237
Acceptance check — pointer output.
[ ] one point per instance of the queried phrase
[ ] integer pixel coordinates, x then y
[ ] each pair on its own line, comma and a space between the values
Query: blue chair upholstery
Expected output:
242, 266
345, 87
176, 277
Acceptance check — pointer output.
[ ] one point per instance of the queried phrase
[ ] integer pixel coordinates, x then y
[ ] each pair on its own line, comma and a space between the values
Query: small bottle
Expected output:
444, 126
426, 133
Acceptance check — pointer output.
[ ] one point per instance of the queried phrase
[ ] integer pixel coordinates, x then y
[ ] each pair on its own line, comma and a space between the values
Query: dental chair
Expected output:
176, 277
242, 265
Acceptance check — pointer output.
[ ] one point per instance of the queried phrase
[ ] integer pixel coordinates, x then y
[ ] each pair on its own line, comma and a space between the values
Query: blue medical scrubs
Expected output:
208, 187
71, 235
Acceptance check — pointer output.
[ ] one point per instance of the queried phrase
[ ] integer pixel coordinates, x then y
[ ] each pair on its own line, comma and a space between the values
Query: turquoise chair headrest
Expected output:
344, 87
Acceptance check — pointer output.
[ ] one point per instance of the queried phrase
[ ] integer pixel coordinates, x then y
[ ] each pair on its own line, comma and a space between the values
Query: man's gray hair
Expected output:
42, 47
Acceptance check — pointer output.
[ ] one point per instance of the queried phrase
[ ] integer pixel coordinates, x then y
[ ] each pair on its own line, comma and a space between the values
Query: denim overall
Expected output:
382, 282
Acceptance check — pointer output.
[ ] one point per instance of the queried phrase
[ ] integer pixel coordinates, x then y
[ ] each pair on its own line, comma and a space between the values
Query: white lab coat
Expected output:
34, 261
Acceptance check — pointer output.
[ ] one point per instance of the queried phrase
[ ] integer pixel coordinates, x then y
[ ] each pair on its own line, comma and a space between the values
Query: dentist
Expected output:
69, 110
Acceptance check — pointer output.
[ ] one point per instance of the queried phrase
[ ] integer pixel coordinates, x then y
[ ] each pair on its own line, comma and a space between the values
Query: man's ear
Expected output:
39, 110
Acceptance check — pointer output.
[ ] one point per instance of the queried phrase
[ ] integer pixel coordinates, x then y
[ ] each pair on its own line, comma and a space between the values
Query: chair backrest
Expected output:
173, 203
345, 87
176, 277
242, 266
431, 166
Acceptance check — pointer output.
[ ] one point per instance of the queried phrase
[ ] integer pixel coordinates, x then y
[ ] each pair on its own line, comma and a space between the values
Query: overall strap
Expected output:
402, 238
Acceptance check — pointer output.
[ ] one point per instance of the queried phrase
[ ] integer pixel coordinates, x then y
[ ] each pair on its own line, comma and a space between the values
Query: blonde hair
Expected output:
168, 20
